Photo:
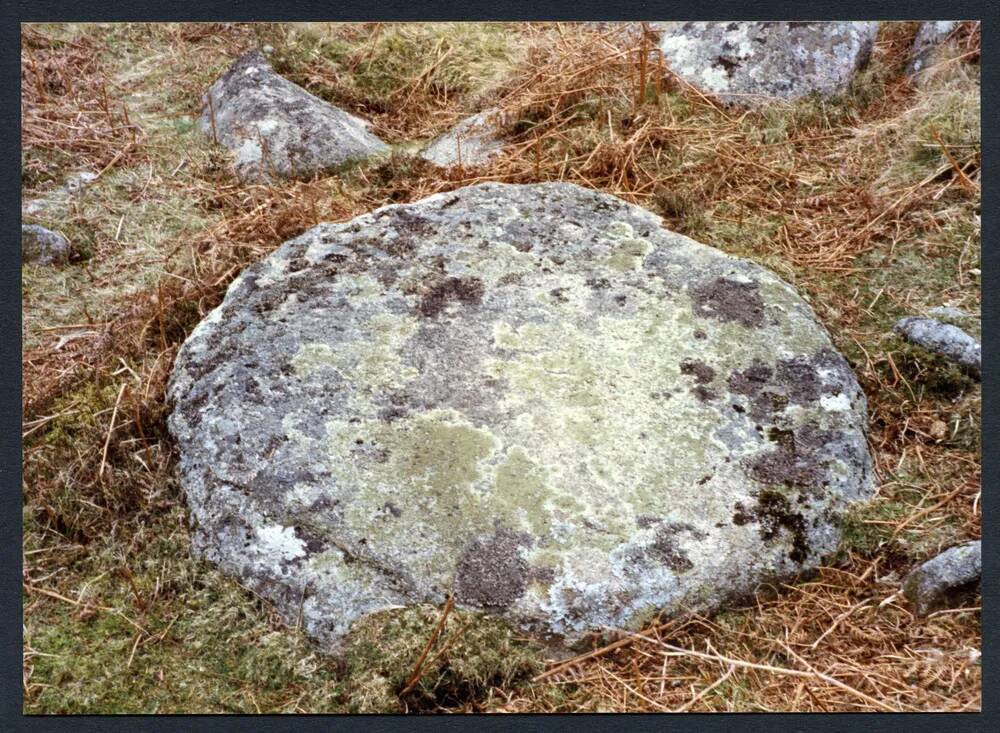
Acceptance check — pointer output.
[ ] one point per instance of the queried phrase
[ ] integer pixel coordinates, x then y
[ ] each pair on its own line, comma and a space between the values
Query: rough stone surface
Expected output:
931, 34
43, 246
534, 397
473, 141
277, 129
949, 312
750, 63
947, 578
949, 341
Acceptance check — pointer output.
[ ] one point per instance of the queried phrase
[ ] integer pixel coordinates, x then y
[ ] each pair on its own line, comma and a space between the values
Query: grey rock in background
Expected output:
931, 34
473, 141
43, 246
277, 129
534, 397
950, 312
945, 578
949, 341
750, 63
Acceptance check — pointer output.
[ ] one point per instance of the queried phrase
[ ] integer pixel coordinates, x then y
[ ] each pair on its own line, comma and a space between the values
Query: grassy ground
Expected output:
868, 203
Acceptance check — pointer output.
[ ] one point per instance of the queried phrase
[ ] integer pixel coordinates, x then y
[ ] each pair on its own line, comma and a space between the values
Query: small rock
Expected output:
753, 62
929, 37
949, 341
278, 129
473, 141
949, 312
945, 578
33, 207
43, 246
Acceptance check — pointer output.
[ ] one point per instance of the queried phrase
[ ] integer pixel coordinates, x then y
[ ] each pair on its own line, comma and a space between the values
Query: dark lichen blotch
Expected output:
729, 300
491, 572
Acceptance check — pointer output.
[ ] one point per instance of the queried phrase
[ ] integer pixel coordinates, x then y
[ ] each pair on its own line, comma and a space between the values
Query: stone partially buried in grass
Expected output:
532, 397
949, 341
473, 141
43, 246
277, 129
942, 580
751, 63
929, 38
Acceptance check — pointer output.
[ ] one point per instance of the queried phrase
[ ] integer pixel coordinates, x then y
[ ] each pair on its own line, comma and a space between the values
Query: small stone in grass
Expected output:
43, 246
930, 36
949, 341
944, 579
473, 141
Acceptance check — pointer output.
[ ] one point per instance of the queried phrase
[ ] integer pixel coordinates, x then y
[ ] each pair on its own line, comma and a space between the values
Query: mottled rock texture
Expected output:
945, 339
533, 397
931, 34
277, 129
473, 141
43, 246
750, 63
945, 579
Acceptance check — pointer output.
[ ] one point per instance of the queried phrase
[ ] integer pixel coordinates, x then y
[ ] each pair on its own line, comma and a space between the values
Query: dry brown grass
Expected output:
70, 111
842, 642
802, 188
708, 158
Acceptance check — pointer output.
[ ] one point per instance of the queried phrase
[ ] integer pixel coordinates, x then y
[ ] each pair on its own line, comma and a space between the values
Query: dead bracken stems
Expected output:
66, 108
418, 667
211, 117
810, 672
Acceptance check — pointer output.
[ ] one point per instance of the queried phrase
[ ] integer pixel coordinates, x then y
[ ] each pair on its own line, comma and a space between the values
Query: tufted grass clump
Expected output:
473, 653
410, 70
879, 529
929, 371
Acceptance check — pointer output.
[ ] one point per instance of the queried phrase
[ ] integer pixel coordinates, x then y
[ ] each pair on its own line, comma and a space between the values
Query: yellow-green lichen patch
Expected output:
432, 468
520, 484
629, 254
310, 357
494, 263
371, 362
437, 450
596, 426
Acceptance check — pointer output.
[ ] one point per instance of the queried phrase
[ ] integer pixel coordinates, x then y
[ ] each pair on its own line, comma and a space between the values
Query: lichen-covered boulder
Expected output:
43, 246
472, 141
532, 397
750, 63
929, 37
277, 129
